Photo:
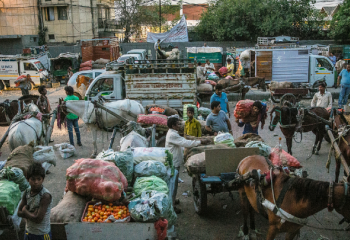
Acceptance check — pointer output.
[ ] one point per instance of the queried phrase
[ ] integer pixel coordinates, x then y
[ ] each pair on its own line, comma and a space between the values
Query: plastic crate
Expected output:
127, 219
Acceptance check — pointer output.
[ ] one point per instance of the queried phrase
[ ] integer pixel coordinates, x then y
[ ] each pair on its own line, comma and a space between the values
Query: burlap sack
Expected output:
274, 85
196, 163
69, 209
206, 140
21, 157
246, 138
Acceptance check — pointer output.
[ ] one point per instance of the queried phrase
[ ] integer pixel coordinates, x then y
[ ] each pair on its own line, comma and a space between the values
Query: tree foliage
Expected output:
132, 14
246, 20
340, 24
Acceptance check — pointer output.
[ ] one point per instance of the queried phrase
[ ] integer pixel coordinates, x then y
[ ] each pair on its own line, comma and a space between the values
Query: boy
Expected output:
36, 205
43, 101
192, 126
217, 121
72, 119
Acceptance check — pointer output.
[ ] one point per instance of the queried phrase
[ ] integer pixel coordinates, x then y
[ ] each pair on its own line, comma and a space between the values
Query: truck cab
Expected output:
141, 52
321, 67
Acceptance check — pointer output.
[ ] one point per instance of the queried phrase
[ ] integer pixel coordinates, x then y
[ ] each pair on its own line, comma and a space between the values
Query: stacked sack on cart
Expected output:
13, 173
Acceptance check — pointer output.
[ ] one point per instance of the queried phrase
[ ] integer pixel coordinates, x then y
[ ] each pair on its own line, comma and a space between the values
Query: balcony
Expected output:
109, 25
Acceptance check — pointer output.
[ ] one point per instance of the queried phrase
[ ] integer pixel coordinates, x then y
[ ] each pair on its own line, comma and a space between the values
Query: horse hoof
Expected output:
94, 155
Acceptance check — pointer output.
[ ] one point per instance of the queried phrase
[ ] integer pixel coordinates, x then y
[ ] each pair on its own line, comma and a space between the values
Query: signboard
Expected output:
177, 34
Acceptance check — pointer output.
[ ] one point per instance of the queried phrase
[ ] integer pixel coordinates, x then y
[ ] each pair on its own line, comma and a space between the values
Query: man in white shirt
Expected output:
205, 45
322, 98
201, 73
209, 66
175, 143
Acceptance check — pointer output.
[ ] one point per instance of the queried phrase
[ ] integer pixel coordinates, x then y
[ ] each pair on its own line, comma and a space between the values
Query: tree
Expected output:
133, 14
246, 20
340, 24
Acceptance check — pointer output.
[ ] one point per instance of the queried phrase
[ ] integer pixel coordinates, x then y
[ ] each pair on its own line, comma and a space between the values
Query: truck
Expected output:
169, 83
292, 65
13, 66
60, 65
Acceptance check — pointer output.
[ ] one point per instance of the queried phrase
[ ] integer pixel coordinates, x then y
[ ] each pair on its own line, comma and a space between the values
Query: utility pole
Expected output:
160, 16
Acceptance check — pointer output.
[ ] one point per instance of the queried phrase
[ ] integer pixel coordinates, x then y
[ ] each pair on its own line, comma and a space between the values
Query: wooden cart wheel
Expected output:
288, 97
275, 99
199, 195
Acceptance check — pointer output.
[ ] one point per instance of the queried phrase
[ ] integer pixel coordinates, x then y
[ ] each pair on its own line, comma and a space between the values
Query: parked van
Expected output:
12, 66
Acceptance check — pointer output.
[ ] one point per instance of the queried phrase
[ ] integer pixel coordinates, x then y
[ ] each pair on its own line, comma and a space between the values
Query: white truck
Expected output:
12, 66
292, 65
166, 83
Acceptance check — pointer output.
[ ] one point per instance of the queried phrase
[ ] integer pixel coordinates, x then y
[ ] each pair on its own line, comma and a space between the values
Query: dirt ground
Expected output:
223, 218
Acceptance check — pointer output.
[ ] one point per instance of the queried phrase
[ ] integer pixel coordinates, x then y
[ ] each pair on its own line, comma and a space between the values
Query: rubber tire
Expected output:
275, 100
288, 95
2, 87
199, 195
78, 95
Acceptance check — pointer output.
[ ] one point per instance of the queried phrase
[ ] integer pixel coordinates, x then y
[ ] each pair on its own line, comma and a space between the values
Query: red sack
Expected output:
86, 64
96, 178
223, 71
243, 108
153, 119
85, 68
210, 82
283, 158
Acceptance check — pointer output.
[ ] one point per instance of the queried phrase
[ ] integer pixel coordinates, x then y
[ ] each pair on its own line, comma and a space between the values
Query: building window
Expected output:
62, 13
50, 14
33, 39
51, 36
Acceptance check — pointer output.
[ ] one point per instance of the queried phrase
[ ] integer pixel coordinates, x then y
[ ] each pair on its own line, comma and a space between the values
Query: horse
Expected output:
24, 131
94, 119
340, 124
251, 81
300, 197
287, 118
9, 109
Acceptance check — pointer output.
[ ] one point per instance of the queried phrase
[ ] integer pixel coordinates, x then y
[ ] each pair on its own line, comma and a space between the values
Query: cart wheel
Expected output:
274, 99
199, 195
161, 142
288, 97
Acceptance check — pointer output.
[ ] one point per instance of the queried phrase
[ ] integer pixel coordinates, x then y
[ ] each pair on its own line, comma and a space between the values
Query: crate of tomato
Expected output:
105, 212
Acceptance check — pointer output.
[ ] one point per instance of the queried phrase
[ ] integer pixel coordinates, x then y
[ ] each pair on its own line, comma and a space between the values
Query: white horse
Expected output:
129, 109
23, 132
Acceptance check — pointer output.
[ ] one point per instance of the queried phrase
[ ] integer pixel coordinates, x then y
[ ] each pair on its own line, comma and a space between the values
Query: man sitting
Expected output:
192, 126
322, 98
217, 121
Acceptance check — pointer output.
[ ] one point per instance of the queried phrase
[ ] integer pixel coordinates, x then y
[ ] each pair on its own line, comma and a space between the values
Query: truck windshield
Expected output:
323, 63
102, 85
40, 66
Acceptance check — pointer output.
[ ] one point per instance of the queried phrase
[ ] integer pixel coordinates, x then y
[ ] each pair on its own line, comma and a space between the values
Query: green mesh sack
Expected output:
264, 150
15, 175
146, 184
10, 195
225, 138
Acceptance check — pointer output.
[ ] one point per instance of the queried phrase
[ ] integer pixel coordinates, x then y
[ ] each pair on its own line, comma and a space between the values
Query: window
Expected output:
323, 64
89, 75
102, 85
51, 36
62, 13
97, 74
49, 14
33, 39
29, 67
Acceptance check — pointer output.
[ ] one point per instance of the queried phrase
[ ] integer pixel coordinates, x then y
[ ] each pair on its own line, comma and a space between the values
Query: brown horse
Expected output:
287, 118
340, 123
303, 198
8, 109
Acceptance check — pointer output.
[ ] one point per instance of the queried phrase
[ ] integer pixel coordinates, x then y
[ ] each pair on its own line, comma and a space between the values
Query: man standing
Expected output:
201, 72
222, 98
322, 98
332, 58
72, 119
25, 84
217, 121
176, 143
192, 126
340, 65
258, 114
209, 66
344, 76
230, 68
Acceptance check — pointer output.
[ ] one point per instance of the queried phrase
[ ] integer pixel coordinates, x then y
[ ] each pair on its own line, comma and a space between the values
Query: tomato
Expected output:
97, 215
96, 210
92, 221
89, 217
107, 207
110, 204
105, 213
90, 206
90, 209
103, 209
96, 219
84, 220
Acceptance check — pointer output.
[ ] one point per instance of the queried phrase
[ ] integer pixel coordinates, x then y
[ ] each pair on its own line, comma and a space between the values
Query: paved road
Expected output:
223, 219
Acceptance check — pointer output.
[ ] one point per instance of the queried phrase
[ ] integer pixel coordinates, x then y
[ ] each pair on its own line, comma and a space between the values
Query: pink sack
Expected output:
85, 68
210, 82
243, 108
96, 178
229, 78
223, 71
283, 158
153, 119
86, 64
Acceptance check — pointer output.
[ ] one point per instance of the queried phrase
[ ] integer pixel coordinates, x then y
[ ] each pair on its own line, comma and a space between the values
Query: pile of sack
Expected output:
86, 65
274, 85
100, 63
165, 110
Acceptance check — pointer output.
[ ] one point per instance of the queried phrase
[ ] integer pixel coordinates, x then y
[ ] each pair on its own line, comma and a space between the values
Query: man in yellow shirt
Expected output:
230, 68
192, 125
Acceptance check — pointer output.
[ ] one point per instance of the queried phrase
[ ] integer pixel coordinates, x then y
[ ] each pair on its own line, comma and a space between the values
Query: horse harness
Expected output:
7, 111
330, 205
